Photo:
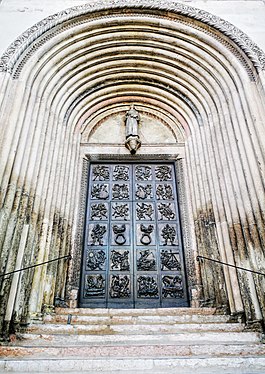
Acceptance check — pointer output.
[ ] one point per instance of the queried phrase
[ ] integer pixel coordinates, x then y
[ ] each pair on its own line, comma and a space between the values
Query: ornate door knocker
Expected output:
119, 234
146, 231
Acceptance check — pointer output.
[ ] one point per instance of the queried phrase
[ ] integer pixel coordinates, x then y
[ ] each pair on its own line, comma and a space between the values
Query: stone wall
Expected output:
198, 83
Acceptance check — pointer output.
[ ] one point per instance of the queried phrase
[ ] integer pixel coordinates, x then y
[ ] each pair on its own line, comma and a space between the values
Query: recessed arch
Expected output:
190, 71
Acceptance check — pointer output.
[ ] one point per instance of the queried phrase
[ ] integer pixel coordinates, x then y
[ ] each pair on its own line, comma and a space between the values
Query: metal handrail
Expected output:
34, 266
199, 258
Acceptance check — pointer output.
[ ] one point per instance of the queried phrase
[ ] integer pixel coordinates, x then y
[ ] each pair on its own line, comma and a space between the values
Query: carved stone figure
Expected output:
132, 138
132, 119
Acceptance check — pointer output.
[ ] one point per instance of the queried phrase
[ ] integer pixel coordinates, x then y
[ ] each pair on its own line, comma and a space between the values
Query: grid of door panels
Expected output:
133, 252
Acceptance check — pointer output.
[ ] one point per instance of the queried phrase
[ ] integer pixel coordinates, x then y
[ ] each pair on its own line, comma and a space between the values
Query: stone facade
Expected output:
66, 84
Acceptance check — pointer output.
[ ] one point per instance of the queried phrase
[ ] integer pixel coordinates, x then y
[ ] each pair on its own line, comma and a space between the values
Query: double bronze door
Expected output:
133, 255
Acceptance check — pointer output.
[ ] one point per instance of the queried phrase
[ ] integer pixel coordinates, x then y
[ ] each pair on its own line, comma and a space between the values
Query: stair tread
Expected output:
133, 312
137, 330
160, 340
226, 326
198, 365
140, 320
207, 338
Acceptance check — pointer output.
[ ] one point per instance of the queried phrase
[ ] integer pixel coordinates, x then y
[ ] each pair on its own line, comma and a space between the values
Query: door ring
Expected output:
145, 239
120, 239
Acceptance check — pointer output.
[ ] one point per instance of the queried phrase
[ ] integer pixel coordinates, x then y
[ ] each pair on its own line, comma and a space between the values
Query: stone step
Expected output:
140, 338
157, 341
134, 329
128, 341
224, 365
133, 350
136, 319
136, 312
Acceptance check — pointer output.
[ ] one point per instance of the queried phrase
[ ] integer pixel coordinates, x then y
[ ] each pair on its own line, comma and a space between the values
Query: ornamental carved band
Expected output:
31, 35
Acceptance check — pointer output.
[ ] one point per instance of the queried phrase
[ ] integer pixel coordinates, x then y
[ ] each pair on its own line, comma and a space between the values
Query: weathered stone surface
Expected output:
184, 366
193, 75
205, 346
131, 350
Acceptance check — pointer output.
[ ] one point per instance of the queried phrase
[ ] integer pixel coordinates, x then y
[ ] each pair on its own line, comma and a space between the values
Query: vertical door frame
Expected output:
75, 267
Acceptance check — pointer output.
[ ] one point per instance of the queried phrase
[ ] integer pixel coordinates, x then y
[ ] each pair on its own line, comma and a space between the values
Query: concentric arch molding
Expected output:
254, 53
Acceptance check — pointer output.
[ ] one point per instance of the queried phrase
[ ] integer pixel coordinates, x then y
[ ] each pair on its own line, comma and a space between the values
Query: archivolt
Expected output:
95, 59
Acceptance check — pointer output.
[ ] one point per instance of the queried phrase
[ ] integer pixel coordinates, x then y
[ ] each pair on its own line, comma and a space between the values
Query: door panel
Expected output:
133, 253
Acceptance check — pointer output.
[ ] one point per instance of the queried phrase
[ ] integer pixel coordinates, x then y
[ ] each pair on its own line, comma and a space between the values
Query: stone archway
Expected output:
198, 74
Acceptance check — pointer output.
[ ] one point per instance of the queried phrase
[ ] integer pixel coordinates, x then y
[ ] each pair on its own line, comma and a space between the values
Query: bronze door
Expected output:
133, 255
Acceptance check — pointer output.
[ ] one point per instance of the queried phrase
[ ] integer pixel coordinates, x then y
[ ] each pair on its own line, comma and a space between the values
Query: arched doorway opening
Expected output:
78, 72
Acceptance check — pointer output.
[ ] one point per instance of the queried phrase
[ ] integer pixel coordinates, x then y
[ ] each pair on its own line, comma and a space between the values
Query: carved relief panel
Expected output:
133, 254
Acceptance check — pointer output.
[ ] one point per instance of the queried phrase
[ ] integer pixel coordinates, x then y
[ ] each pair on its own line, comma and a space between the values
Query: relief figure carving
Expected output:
120, 286
100, 173
120, 211
120, 260
98, 211
96, 259
144, 211
100, 191
146, 261
97, 234
169, 234
164, 192
169, 260
166, 211
163, 173
94, 286
143, 191
147, 286
120, 191
143, 173
121, 173
172, 286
